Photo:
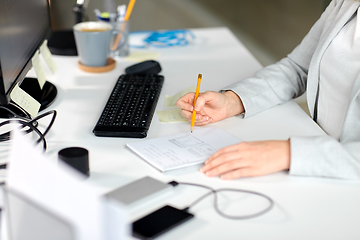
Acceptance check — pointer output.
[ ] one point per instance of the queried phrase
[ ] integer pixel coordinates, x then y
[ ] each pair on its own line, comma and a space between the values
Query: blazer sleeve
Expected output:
284, 80
325, 157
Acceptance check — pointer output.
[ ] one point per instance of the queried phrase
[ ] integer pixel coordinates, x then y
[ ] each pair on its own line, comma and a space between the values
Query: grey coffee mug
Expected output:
93, 42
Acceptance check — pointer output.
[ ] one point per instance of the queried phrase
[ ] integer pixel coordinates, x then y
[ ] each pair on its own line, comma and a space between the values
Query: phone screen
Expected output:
159, 222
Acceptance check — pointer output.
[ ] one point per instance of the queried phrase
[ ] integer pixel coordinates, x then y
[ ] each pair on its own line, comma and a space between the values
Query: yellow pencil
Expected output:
196, 96
127, 17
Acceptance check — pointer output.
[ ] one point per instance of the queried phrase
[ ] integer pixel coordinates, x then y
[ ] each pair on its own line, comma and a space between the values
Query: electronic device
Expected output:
25, 24
159, 222
145, 67
130, 107
141, 189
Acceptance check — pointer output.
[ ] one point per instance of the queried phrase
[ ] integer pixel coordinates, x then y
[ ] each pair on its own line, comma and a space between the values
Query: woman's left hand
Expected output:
249, 159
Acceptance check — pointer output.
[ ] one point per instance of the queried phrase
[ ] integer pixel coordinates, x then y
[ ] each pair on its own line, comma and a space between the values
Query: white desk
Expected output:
305, 208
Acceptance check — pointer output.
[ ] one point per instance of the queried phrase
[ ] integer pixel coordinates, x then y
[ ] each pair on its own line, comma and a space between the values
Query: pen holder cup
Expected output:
119, 45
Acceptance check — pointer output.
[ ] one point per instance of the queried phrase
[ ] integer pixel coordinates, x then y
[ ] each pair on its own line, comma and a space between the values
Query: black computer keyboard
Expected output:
130, 107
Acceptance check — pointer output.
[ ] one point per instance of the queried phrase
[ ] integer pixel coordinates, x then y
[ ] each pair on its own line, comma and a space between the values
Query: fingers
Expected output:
230, 149
225, 160
239, 173
247, 159
200, 119
205, 98
186, 104
232, 170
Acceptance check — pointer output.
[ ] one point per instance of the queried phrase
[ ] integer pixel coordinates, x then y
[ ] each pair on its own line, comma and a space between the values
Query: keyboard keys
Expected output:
130, 107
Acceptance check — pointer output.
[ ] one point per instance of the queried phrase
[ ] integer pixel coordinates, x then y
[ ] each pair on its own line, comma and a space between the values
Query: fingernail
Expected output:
225, 177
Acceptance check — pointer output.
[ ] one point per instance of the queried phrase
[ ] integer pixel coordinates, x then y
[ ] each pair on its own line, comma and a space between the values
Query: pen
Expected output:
196, 96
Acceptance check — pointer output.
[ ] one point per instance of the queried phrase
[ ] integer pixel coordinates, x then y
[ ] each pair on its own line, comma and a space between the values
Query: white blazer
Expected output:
289, 78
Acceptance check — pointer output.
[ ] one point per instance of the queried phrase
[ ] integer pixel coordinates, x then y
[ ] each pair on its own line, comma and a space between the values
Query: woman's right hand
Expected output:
210, 106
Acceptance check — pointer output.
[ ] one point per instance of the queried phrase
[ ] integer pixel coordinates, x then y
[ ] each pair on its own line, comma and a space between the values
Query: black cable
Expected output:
6, 136
42, 137
27, 124
15, 114
21, 109
216, 203
10, 111
32, 125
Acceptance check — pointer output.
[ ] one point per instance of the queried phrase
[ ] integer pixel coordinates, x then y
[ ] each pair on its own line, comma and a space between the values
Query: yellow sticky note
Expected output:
170, 101
38, 69
142, 56
24, 100
171, 116
45, 52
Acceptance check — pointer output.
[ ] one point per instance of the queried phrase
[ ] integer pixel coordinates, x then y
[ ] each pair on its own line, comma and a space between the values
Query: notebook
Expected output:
183, 149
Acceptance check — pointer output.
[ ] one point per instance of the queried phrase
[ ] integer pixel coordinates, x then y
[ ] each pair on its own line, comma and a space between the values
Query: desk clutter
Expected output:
145, 74
98, 42
168, 217
144, 188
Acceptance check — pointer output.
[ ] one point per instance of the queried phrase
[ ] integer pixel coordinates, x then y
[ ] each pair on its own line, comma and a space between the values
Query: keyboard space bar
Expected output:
130, 132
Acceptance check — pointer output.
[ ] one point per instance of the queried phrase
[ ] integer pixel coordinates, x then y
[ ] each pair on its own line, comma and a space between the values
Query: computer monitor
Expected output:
25, 24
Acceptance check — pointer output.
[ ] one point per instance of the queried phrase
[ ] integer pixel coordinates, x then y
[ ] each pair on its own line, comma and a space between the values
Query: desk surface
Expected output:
305, 208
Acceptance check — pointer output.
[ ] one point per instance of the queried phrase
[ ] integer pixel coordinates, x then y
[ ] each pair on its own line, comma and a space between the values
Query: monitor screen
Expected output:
24, 26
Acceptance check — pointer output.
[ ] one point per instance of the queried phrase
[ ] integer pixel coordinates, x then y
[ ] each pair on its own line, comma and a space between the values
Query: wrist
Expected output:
235, 105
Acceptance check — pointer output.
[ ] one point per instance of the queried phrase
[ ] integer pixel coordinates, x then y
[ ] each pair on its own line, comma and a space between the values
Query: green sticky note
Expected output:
170, 101
171, 116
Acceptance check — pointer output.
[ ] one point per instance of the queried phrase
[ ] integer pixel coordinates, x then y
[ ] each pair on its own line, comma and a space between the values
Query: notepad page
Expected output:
184, 149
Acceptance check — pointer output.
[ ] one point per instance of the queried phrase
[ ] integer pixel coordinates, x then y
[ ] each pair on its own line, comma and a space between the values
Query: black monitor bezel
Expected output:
5, 95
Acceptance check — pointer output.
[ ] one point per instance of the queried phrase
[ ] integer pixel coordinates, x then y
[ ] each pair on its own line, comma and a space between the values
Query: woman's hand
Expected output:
210, 106
248, 159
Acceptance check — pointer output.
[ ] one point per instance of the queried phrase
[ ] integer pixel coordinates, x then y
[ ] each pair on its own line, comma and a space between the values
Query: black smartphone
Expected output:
159, 222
